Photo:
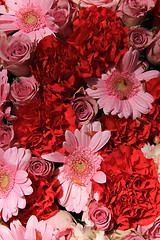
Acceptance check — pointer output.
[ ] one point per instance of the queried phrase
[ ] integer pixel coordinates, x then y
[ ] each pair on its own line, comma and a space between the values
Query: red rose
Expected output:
99, 36
59, 64
132, 191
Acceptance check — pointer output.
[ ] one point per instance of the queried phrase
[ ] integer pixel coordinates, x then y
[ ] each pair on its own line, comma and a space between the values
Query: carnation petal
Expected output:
99, 177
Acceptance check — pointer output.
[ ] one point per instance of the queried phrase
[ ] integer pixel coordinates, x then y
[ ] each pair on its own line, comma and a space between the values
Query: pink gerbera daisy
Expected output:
34, 231
81, 165
120, 90
28, 16
14, 183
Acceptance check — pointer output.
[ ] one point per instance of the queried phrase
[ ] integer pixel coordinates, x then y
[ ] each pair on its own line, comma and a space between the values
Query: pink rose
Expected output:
85, 107
152, 231
6, 136
134, 11
139, 38
59, 19
24, 90
101, 216
17, 53
104, 3
153, 52
40, 167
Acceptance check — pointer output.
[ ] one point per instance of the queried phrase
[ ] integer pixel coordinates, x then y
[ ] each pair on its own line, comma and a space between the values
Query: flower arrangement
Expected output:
79, 120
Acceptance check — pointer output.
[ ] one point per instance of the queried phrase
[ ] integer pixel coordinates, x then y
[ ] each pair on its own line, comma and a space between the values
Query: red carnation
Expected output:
40, 125
99, 36
132, 191
59, 64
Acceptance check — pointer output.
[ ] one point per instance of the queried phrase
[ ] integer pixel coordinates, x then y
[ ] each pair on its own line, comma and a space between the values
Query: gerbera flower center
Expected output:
30, 18
124, 85
81, 165
6, 181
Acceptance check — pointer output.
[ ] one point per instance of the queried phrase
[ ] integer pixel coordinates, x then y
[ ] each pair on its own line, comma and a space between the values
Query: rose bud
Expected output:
85, 107
17, 52
40, 167
139, 38
101, 216
24, 90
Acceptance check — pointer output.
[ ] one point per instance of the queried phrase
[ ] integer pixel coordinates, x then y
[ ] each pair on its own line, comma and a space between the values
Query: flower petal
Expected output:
99, 177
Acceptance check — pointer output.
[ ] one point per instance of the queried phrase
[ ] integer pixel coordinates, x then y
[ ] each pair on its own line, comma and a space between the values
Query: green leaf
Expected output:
79, 5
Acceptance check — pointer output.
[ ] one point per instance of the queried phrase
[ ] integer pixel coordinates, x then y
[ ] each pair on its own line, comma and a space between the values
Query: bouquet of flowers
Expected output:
79, 119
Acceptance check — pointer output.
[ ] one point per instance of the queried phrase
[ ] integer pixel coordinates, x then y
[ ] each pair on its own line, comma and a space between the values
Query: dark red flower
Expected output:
59, 64
41, 125
99, 37
132, 191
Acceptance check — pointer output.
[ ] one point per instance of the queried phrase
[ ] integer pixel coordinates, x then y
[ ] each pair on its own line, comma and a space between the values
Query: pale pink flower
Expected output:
62, 220
81, 165
28, 16
14, 181
5, 233
18, 231
153, 151
120, 91
38, 230
34, 230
